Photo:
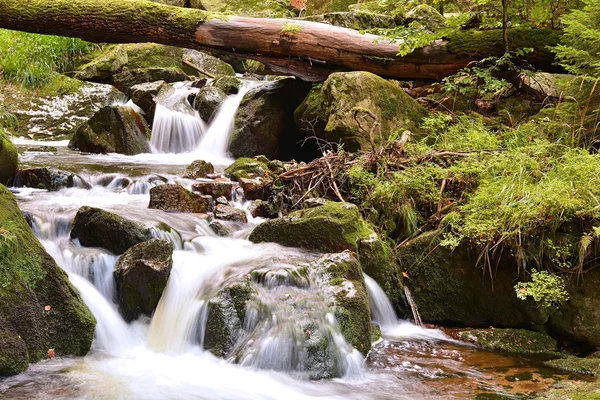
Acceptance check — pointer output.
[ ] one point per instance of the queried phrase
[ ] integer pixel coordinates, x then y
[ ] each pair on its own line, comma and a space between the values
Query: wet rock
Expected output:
229, 213
42, 178
208, 63
208, 100
222, 200
343, 280
375, 259
246, 168
216, 188
31, 281
515, 341
209, 202
102, 67
176, 198
143, 96
42, 149
141, 276
358, 20
219, 228
332, 227
426, 15
98, 228
125, 80
263, 209
198, 169
264, 122
113, 129
226, 313
313, 202
227, 84
254, 188
329, 110
9, 158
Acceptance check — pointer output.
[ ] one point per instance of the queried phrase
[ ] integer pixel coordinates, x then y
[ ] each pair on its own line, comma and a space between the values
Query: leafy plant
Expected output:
545, 288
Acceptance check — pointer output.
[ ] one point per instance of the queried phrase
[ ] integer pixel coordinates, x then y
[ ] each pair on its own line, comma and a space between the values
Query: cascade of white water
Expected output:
177, 127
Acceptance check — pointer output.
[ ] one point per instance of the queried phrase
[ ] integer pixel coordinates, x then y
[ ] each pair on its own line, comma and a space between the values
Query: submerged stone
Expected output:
31, 281
584, 366
141, 276
42, 178
95, 227
113, 129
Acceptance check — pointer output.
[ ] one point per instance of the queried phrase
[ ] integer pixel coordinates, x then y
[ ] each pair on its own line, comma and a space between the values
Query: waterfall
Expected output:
383, 313
177, 127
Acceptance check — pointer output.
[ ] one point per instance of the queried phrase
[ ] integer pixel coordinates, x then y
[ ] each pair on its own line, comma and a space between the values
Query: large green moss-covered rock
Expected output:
98, 228
345, 283
113, 129
427, 16
332, 227
329, 110
584, 366
141, 277
264, 122
103, 66
207, 101
131, 77
208, 63
30, 280
9, 158
245, 167
358, 20
449, 288
153, 55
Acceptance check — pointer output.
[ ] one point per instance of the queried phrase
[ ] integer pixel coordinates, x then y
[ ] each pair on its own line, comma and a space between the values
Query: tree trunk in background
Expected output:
308, 50
505, 25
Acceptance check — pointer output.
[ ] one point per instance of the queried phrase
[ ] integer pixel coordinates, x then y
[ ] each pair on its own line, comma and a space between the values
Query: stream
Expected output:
162, 358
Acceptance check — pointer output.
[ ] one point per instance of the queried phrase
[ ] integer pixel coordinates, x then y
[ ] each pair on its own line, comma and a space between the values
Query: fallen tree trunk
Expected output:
308, 50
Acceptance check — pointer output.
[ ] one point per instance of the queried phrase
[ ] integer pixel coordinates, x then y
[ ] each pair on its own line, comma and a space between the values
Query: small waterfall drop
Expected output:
177, 127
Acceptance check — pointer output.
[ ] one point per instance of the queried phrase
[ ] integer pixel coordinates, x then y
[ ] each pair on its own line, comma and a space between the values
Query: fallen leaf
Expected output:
51, 353
47, 308
404, 274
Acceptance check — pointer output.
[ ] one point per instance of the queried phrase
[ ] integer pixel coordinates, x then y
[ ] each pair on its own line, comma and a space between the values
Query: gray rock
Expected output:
141, 276
98, 228
126, 79
175, 198
229, 213
208, 100
215, 188
143, 96
208, 63
198, 169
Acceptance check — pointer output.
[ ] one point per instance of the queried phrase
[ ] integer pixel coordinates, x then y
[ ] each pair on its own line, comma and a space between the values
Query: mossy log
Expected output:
308, 50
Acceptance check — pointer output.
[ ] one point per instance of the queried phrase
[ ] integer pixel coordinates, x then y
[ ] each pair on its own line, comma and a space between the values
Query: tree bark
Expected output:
308, 50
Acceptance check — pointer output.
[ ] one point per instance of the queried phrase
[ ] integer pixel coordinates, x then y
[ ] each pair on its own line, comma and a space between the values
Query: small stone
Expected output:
209, 202
253, 188
229, 213
214, 188
219, 228
198, 169
175, 198
222, 200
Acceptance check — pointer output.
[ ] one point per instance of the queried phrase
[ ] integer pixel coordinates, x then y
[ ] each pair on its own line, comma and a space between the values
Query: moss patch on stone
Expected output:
9, 158
584, 366
515, 341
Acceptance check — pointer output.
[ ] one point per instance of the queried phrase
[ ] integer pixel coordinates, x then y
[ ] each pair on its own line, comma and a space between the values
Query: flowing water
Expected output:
163, 357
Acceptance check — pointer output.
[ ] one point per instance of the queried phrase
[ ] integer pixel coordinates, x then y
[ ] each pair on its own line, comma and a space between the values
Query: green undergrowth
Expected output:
504, 191
29, 59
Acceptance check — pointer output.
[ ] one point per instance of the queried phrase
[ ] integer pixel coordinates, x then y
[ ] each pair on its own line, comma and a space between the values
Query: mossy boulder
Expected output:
198, 169
358, 20
153, 55
344, 281
31, 281
251, 8
113, 129
131, 77
227, 84
314, 7
328, 110
175, 198
217, 188
208, 63
450, 288
584, 366
9, 158
141, 276
245, 167
95, 227
229, 213
515, 341
264, 122
103, 66
333, 227
427, 16
207, 101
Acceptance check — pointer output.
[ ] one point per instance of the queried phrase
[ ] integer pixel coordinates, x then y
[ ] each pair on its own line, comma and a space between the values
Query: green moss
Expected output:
59, 85
330, 228
9, 157
152, 55
243, 166
515, 341
584, 366
289, 27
